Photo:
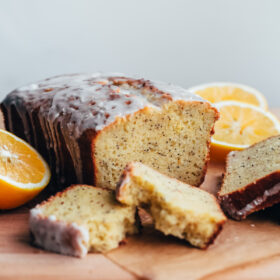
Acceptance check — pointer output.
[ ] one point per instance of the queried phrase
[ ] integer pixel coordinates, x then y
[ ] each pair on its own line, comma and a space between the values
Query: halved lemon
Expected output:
23, 172
240, 125
219, 91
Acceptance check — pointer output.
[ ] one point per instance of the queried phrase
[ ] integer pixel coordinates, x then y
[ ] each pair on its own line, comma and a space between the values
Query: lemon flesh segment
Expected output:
241, 125
218, 92
23, 172
19, 162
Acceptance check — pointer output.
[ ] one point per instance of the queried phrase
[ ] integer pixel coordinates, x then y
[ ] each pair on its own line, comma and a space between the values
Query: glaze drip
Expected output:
95, 100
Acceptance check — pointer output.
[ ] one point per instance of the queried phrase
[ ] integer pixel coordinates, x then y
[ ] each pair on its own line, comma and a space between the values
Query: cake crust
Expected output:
263, 193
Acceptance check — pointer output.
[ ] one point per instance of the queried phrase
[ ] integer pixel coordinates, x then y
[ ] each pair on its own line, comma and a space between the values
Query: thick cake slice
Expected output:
178, 209
89, 126
252, 179
80, 219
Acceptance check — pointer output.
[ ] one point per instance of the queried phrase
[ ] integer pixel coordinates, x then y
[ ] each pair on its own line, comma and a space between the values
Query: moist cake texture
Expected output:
89, 126
178, 209
80, 219
252, 179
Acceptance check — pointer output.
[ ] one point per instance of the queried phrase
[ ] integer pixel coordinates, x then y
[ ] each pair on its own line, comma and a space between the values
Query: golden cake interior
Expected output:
97, 210
177, 208
251, 164
173, 140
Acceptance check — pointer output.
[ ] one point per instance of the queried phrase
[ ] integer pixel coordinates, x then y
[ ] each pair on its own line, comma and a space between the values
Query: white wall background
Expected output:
182, 41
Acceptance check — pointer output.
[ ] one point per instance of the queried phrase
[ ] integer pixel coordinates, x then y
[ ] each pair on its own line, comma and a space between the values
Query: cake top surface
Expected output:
93, 101
172, 192
83, 204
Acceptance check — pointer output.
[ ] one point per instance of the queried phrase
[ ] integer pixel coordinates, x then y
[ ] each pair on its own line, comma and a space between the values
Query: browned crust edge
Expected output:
86, 146
59, 194
215, 234
125, 174
207, 158
234, 203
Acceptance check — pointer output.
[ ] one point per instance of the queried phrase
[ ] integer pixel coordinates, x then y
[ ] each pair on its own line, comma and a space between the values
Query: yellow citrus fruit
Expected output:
23, 172
218, 92
240, 125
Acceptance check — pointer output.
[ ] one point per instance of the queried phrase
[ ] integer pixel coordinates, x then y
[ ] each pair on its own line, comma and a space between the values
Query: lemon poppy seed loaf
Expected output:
252, 179
89, 126
177, 208
80, 219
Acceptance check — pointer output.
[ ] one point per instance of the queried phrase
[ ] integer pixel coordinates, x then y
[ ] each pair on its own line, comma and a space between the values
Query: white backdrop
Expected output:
184, 42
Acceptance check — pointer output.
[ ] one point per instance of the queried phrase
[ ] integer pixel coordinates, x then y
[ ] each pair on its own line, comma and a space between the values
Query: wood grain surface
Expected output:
244, 250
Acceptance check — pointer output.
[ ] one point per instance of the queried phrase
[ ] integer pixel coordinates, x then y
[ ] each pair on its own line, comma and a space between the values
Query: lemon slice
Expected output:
23, 172
241, 125
218, 92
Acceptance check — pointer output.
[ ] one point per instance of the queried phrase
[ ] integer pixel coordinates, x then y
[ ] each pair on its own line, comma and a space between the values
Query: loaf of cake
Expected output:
252, 179
89, 126
80, 219
177, 209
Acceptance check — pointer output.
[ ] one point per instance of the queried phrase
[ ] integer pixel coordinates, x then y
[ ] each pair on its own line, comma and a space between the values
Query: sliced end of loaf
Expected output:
174, 140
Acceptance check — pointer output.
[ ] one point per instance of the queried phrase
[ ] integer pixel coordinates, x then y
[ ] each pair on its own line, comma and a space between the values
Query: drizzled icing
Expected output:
258, 201
58, 236
95, 100
78, 102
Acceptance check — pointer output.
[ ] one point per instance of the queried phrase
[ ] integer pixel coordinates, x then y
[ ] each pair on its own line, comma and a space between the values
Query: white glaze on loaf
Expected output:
57, 236
89, 98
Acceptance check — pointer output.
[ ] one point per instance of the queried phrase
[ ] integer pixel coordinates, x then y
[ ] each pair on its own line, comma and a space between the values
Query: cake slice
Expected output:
80, 219
252, 179
178, 209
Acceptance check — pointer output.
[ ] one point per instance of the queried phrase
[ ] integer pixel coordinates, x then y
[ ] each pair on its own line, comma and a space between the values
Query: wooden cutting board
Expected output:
155, 256
244, 250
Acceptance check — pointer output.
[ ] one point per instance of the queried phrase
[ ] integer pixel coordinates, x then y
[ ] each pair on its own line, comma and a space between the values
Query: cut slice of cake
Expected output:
89, 126
252, 179
80, 219
178, 209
